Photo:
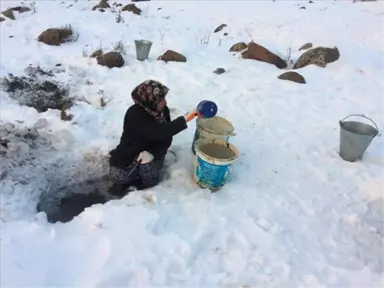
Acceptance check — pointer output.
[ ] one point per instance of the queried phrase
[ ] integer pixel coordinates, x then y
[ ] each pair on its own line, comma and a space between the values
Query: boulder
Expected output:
260, 53
238, 47
57, 36
292, 76
319, 56
132, 8
111, 60
174, 56
219, 28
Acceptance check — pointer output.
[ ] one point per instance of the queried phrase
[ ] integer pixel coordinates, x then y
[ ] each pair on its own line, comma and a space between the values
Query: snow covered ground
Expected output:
294, 213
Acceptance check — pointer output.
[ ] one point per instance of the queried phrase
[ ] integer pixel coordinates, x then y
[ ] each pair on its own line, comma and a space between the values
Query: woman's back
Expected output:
142, 132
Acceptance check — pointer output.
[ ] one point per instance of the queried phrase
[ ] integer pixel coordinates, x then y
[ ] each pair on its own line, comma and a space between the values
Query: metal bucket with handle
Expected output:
355, 137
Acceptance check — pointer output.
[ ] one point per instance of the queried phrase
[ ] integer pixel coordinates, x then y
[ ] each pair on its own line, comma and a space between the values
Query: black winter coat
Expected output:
142, 132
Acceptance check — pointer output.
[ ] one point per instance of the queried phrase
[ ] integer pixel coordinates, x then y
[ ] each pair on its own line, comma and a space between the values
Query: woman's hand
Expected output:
190, 116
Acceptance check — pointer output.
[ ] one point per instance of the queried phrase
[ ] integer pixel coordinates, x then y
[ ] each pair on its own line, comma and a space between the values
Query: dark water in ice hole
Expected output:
63, 204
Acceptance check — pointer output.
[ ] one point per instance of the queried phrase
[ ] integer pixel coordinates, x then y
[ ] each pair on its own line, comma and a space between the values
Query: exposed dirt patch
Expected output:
39, 89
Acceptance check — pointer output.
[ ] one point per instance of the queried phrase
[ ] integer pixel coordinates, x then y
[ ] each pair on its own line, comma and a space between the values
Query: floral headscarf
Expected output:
148, 95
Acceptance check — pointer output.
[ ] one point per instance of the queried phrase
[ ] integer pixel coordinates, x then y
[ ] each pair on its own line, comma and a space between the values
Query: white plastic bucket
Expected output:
213, 162
212, 128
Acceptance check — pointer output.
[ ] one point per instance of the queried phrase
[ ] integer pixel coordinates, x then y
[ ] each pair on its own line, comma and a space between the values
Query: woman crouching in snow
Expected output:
147, 134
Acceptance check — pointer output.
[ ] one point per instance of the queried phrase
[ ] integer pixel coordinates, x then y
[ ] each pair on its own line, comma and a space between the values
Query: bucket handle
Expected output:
364, 116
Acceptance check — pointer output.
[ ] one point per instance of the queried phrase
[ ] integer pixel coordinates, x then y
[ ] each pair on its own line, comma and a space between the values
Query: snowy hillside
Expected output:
293, 214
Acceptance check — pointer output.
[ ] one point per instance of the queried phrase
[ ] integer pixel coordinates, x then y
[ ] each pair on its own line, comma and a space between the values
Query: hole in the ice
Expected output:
65, 203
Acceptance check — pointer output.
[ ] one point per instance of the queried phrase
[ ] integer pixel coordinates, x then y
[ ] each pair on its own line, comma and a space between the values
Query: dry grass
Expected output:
68, 34
117, 13
120, 47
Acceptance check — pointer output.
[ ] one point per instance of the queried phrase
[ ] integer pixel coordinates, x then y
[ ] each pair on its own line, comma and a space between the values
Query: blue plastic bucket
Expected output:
213, 162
